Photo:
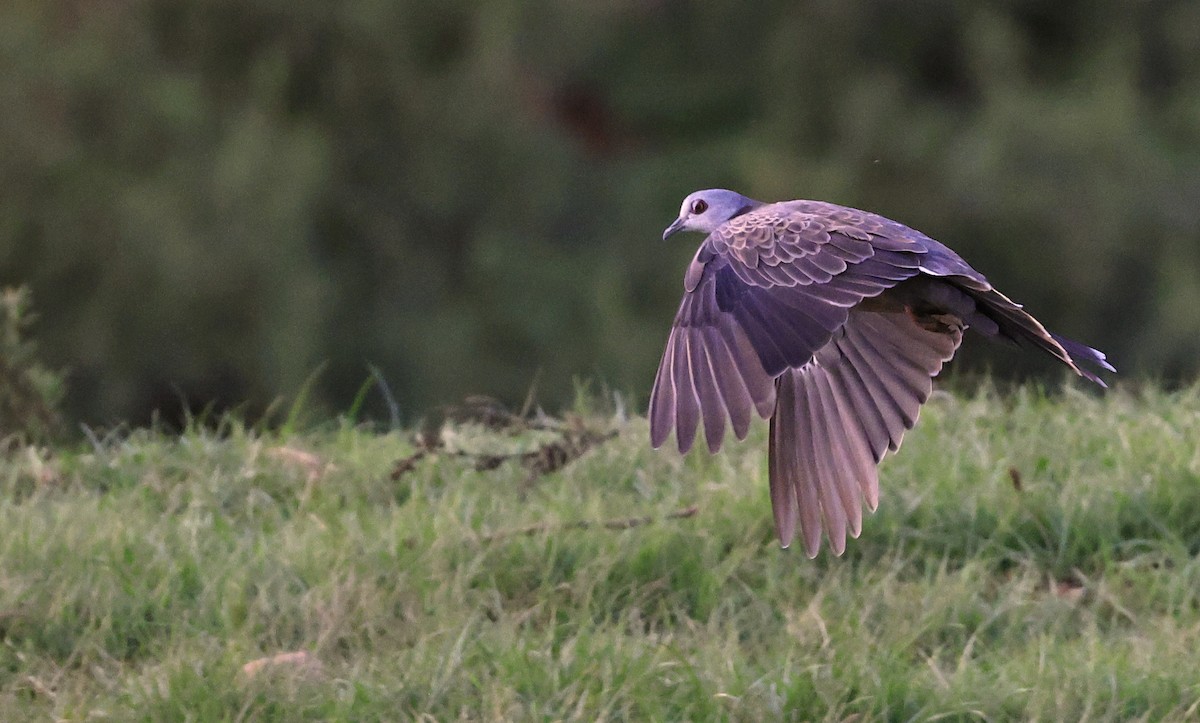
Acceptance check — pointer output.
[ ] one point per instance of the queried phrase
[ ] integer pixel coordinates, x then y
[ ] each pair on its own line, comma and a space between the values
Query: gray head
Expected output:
705, 210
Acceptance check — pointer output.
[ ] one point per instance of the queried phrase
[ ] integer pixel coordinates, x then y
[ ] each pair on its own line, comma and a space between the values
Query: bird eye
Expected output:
699, 206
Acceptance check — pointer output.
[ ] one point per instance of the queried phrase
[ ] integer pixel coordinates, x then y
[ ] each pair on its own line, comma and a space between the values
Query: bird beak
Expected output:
673, 228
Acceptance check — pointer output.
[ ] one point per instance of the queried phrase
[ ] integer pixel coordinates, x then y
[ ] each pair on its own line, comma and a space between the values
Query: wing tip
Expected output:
684, 443
658, 433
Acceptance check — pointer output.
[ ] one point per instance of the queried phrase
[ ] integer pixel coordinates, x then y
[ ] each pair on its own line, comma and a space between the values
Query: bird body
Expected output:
832, 323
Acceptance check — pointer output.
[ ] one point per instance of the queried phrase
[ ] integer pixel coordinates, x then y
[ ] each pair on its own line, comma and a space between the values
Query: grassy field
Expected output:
1033, 557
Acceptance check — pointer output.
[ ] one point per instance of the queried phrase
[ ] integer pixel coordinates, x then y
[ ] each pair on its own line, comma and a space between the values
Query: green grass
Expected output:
138, 575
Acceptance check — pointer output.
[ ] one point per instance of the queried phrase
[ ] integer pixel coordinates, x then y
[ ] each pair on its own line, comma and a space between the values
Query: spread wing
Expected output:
842, 411
765, 291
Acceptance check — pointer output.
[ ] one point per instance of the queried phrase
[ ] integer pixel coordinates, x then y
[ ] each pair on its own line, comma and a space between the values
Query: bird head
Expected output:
706, 210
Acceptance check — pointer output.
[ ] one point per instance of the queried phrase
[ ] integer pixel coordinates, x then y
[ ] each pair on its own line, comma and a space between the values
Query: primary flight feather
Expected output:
832, 322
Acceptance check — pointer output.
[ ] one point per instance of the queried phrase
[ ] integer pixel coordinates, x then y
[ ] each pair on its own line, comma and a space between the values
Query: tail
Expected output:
1086, 353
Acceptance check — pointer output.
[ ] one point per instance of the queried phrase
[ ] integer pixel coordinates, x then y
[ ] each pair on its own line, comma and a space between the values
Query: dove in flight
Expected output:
832, 322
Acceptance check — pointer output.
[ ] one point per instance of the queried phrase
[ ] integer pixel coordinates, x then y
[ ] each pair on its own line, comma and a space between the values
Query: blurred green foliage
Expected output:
211, 198
29, 392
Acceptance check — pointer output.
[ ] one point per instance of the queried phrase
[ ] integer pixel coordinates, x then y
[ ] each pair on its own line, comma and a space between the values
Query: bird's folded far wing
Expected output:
1004, 318
837, 416
1019, 326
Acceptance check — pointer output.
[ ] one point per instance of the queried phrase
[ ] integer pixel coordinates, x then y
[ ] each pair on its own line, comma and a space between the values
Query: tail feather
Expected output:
1086, 353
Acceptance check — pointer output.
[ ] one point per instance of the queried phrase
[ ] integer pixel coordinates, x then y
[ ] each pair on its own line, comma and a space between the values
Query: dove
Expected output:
831, 322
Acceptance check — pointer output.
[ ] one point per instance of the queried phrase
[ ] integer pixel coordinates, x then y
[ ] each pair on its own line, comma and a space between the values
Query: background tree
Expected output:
210, 199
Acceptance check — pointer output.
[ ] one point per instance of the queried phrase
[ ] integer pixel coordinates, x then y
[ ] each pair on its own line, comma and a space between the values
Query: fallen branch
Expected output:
615, 524
299, 662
